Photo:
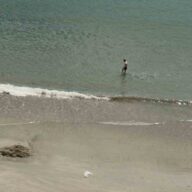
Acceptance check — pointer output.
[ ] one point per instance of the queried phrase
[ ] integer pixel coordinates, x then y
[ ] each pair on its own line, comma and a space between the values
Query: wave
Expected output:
130, 123
18, 123
136, 123
23, 91
186, 120
152, 100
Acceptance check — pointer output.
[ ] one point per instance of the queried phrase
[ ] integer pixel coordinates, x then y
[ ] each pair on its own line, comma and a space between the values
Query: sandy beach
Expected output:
122, 154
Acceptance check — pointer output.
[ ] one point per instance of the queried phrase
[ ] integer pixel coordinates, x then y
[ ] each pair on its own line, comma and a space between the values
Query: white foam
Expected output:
187, 120
21, 123
39, 92
130, 123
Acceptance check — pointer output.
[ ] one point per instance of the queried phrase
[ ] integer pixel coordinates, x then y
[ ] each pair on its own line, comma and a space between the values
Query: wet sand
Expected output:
68, 138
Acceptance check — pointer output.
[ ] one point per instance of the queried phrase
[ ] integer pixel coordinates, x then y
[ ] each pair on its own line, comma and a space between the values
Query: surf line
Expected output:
22, 91
21, 123
131, 123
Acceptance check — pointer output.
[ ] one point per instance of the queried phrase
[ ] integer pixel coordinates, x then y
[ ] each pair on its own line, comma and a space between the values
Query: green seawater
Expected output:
79, 45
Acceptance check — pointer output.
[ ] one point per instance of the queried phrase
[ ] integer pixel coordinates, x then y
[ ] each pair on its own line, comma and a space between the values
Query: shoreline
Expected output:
32, 108
23, 91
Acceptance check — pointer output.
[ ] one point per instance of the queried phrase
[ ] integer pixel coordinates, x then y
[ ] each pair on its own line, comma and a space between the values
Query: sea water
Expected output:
79, 46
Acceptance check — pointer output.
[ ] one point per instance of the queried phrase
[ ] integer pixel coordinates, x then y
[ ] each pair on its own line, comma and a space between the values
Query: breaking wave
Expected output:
24, 91
152, 100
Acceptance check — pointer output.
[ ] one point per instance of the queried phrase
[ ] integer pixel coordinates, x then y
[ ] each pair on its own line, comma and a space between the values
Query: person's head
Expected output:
124, 60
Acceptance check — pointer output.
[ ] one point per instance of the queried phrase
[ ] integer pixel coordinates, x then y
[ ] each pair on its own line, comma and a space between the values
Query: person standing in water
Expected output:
124, 69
